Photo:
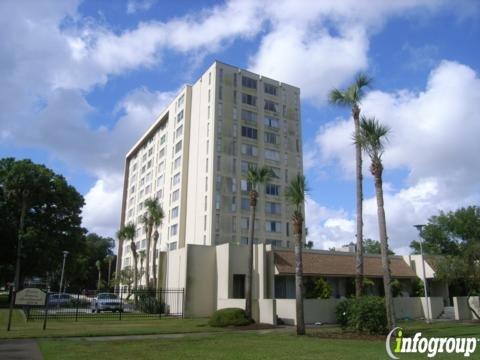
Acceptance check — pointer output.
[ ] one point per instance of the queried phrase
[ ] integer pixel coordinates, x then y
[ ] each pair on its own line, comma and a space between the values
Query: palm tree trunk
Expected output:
99, 281
154, 260
147, 270
359, 206
21, 227
109, 272
299, 280
249, 278
382, 227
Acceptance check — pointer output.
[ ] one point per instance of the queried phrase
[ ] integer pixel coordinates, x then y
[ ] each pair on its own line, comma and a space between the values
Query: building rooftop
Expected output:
335, 264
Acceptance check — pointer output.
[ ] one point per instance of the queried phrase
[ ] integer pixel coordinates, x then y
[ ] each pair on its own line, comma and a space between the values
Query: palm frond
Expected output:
257, 176
372, 137
338, 97
363, 80
296, 190
129, 231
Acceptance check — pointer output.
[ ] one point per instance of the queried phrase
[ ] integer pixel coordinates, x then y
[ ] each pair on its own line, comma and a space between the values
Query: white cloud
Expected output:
434, 137
101, 213
134, 6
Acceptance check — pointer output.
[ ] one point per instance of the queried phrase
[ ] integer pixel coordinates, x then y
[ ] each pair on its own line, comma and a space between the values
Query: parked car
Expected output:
59, 299
106, 302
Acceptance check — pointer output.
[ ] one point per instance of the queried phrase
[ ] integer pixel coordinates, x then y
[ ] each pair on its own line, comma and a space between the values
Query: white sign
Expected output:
30, 296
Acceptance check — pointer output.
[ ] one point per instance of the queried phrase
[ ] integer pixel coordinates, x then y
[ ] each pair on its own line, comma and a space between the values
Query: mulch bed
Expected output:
254, 326
347, 335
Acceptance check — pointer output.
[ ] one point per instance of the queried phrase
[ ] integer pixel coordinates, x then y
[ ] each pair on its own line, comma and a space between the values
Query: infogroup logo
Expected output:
429, 346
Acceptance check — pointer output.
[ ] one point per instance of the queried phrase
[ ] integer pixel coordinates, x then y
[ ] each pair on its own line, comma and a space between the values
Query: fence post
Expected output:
121, 305
78, 303
159, 296
45, 315
183, 303
13, 293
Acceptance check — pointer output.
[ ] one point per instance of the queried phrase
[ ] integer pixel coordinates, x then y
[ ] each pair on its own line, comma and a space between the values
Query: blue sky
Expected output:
83, 79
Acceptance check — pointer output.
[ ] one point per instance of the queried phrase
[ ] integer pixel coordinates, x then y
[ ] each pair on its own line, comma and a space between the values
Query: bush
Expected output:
364, 314
229, 317
149, 304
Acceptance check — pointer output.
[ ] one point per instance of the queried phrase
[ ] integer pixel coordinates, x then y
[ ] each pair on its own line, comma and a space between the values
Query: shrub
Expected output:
317, 288
229, 317
364, 314
149, 304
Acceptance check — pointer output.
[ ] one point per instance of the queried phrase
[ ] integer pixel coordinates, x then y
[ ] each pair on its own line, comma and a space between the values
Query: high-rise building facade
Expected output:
195, 157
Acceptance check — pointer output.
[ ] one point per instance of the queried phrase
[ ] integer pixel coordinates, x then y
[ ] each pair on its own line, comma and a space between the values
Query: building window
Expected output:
176, 179
180, 101
270, 89
235, 96
249, 82
249, 150
271, 138
174, 213
178, 146
273, 226
173, 230
271, 106
179, 131
271, 122
245, 203
161, 153
149, 164
272, 189
235, 79
238, 286
274, 243
220, 92
220, 74
245, 185
177, 163
273, 208
249, 132
175, 195
180, 117
234, 224
272, 155
217, 201
249, 116
249, 99
245, 166
172, 246
244, 221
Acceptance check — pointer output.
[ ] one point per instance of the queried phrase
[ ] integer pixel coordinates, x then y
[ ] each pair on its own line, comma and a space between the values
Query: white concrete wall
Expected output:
200, 291
267, 311
462, 311
286, 310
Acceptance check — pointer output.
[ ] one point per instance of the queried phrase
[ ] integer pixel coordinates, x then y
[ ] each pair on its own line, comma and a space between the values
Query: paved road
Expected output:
20, 350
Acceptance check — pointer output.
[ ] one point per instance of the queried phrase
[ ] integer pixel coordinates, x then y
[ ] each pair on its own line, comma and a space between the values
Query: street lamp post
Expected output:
425, 286
65, 253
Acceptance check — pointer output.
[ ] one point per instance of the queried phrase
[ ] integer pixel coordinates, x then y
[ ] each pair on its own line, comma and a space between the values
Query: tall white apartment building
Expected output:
195, 156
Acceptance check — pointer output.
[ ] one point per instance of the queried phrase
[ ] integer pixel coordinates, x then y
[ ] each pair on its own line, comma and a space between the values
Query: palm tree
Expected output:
108, 260
98, 264
157, 215
351, 97
372, 138
142, 254
255, 177
146, 221
128, 232
295, 194
151, 220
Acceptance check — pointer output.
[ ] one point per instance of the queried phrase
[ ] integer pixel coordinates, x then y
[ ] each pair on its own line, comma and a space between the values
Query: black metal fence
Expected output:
92, 304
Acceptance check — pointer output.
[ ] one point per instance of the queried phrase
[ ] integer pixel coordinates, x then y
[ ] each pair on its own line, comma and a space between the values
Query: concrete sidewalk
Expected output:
20, 350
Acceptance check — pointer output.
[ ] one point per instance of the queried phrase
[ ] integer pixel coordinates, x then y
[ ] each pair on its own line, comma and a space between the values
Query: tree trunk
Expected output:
109, 272
382, 228
249, 278
99, 281
154, 259
299, 279
147, 270
118, 265
472, 309
359, 206
21, 227
135, 263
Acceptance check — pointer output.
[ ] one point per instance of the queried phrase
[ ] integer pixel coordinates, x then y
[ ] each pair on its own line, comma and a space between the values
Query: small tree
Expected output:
98, 265
295, 194
255, 177
371, 138
128, 233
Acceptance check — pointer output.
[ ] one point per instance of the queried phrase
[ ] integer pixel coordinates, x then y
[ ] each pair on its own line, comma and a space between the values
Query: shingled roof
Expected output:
339, 264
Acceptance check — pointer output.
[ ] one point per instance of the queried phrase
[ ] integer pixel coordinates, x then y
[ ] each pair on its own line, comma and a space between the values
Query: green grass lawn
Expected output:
278, 345
98, 327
